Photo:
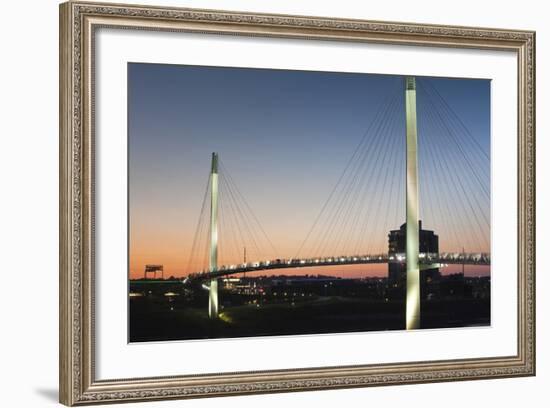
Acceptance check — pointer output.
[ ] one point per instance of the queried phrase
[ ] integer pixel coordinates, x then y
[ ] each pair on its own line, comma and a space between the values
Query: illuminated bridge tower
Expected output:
213, 258
412, 230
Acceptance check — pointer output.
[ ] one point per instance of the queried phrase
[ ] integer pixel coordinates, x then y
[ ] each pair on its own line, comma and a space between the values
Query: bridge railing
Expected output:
282, 263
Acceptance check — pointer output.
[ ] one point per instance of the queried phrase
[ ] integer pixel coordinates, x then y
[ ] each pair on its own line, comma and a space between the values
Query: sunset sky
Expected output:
285, 138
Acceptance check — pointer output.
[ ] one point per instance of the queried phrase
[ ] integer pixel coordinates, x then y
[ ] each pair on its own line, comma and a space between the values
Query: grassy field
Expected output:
153, 319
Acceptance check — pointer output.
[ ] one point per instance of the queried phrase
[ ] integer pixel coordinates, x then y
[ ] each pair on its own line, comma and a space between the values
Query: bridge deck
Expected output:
308, 263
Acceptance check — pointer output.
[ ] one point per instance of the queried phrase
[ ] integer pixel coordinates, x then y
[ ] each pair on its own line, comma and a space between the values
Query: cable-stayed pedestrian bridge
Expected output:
441, 177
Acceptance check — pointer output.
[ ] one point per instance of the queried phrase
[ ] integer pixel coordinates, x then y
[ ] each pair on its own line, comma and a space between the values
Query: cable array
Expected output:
368, 198
241, 237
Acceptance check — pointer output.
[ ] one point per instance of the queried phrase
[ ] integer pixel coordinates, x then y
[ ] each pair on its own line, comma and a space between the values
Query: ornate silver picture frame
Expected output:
79, 22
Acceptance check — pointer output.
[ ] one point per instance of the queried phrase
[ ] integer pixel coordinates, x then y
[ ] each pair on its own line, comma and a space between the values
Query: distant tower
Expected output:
213, 260
153, 269
428, 244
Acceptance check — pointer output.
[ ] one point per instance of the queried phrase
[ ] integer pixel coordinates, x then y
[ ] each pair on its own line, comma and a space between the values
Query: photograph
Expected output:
271, 202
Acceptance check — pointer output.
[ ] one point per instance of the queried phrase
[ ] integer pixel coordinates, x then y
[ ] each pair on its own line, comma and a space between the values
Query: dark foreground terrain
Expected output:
162, 311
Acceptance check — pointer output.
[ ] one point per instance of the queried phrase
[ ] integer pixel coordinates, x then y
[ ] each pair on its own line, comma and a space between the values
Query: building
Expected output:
397, 271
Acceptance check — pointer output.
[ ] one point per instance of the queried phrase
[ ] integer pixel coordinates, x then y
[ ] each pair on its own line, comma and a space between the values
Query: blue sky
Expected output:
285, 137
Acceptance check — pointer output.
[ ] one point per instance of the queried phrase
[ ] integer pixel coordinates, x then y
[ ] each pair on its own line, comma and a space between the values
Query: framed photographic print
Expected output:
260, 203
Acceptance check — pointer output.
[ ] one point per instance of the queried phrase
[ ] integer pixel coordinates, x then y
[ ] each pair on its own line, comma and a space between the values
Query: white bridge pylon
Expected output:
412, 237
213, 259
